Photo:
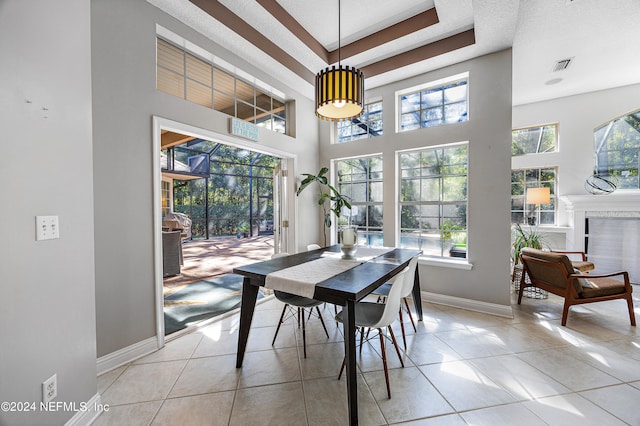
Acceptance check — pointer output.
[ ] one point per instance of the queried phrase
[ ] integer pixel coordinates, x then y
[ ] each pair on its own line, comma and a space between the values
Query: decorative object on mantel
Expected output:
336, 200
600, 184
339, 91
537, 196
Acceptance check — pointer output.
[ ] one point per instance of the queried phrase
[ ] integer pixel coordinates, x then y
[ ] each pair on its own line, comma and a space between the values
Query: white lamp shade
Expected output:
538, 195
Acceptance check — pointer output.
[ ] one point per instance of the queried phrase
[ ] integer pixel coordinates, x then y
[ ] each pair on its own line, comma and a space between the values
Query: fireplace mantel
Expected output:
616, 201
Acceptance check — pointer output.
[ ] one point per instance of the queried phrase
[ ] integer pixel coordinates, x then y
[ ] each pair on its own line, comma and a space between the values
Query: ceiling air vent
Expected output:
562, 64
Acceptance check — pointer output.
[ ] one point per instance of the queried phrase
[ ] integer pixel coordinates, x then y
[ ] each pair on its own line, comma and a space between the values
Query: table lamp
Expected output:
537, 196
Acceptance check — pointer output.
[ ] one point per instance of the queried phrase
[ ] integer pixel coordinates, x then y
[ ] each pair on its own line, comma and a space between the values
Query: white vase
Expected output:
348, 238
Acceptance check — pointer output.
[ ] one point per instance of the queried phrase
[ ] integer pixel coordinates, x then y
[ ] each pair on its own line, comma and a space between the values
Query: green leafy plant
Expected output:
525, 238
328, 197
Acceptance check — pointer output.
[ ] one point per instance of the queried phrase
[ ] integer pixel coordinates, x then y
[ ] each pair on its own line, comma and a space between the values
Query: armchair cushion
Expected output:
600, 287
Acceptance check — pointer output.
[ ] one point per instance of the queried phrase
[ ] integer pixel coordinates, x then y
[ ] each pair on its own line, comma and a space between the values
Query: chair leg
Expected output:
395, 344
384, 363
522, 283
304, 333
565, 312
361, 338
344, 362
632, 315
279, 324
410, 316
321, 321
404, 339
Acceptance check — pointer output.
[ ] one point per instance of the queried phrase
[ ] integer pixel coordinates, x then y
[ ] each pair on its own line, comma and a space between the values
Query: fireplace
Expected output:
607, 228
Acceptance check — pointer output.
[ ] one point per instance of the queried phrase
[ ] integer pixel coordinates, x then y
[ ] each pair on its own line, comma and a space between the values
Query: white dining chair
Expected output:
371, 315
383, 291
295, 306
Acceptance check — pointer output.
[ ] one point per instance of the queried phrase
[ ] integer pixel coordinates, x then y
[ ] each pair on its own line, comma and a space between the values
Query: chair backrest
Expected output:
548, 268
392, 303
312, 247
410, 277
277, 255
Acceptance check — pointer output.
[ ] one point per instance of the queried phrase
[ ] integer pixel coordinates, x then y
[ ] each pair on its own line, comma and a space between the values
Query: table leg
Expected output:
247, 306
349, 323
417, 299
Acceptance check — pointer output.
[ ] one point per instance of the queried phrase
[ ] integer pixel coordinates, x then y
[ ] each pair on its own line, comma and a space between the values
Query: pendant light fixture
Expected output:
339, 90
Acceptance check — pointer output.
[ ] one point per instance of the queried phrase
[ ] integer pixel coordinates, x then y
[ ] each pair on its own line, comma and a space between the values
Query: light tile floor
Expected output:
461, 367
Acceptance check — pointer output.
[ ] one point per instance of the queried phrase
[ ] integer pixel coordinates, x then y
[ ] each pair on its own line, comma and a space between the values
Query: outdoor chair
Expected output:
383, 292
554, 273
171, 253
295, 306
379, 316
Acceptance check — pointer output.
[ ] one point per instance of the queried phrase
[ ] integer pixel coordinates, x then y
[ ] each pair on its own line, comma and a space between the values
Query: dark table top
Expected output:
353, 284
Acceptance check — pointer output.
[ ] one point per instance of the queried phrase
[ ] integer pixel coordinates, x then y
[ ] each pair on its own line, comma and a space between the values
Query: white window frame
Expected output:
440, 203
427, 86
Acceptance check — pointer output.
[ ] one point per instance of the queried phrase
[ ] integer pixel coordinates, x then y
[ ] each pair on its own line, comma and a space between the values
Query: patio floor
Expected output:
217, 256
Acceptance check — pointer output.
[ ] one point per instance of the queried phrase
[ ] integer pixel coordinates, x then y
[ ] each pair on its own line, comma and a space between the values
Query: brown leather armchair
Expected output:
554, 273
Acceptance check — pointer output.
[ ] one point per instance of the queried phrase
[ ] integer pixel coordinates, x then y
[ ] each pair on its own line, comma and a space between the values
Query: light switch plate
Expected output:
47, 228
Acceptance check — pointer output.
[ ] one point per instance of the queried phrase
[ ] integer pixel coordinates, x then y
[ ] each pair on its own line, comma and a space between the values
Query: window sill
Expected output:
445, 263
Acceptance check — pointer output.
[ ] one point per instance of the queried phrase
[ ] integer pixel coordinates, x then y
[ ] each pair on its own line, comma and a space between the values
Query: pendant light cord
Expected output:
339, 33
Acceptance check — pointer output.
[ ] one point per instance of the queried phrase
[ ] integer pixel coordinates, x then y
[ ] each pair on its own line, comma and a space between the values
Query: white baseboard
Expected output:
126, 355
471, 305
89, 412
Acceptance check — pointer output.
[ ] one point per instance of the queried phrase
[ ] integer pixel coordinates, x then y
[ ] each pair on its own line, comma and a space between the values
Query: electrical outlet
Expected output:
50, 388
47, 228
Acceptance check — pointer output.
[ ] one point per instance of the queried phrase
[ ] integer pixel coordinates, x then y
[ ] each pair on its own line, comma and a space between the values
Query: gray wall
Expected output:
488, 132
124, 101
47, 318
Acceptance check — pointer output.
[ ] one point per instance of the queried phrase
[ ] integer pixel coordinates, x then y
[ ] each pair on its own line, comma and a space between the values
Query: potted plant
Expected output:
523, 238
243, 229
328, 197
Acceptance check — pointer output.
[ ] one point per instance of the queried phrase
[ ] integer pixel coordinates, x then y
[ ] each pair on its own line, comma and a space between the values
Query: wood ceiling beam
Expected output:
449, 44
289, 22
393, 32
401, 29
232, 21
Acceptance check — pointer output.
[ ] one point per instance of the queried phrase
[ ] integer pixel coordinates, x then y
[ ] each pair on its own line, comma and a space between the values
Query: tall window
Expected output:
433, 200
182, 74
361, 180
434, 106
534, 140
522, 179
368, 125
617, 150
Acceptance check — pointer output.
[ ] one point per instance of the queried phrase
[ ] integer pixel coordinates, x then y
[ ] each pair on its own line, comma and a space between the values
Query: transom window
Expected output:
521, 180
434, 105
368, 125
433, 200
534, 140
361, 179
182, 74
617, 150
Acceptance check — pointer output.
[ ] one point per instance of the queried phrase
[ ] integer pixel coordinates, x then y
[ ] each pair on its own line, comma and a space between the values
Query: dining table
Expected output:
369, 269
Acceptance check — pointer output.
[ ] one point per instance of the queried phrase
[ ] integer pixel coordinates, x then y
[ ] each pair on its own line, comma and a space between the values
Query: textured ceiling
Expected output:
598, 34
